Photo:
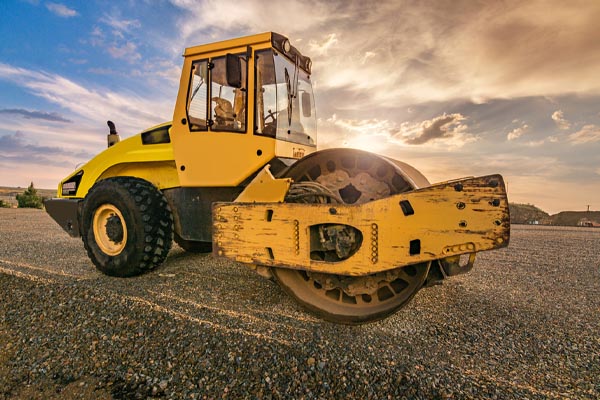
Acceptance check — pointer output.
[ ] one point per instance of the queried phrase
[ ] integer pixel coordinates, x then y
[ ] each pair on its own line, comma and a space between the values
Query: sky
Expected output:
454, 88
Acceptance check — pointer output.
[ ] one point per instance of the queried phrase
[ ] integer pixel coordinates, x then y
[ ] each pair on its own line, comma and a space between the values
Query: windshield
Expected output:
285, 103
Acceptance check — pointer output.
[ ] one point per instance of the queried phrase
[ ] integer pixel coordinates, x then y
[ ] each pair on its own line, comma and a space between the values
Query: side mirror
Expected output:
306, 106
234, 71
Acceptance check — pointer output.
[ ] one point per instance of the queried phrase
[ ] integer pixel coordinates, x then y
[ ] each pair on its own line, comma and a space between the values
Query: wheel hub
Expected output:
114, 229
110, 231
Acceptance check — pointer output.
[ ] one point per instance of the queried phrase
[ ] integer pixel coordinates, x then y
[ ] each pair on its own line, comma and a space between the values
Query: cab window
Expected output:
197, 105
228, 104
266, 94
226, 110
284, 100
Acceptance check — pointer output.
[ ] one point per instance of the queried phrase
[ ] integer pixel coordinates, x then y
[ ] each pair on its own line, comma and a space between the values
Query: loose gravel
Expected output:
524, 323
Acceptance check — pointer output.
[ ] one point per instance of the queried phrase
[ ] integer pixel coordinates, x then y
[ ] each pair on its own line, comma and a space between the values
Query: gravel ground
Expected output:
524, 323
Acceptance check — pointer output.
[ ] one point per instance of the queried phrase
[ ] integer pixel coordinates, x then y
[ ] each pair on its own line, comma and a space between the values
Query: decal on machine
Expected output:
298, 152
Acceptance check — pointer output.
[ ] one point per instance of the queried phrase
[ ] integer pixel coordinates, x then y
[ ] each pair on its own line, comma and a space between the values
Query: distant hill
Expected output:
577, 218
528, 214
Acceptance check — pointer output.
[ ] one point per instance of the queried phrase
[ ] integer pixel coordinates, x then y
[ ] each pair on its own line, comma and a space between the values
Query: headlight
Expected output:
69, 187
308, 65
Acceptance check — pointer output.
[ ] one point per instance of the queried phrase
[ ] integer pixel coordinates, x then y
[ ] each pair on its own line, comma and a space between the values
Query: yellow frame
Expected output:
448, 219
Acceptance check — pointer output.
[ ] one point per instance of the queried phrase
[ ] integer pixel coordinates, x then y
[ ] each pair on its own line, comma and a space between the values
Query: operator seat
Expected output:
224, 115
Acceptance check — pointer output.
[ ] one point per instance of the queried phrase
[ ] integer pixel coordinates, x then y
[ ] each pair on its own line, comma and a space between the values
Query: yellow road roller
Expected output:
351, 235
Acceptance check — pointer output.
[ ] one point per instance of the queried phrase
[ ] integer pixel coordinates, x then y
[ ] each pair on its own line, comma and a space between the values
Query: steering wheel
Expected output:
270, 126
272, 115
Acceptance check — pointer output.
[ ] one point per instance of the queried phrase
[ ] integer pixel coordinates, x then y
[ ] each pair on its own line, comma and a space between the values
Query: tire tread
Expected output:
156, 232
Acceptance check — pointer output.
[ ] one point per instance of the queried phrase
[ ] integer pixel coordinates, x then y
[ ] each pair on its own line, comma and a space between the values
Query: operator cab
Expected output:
242, 102
284, 102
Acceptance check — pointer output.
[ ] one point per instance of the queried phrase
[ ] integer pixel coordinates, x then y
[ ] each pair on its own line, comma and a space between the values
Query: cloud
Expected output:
510, 42
369, 134
443, 127
96, 37
120, 24
78, 61
126, 51
554, 139
117, 38
560, 121
587, 134
230, 19
361, 126
376, 135
517, 132
421, 55
321, 49
98, 105
15, 148
61, 10
43, 115
457, 50
535, 143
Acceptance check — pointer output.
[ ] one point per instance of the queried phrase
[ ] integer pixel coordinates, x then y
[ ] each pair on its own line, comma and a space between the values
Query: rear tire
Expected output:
127, 226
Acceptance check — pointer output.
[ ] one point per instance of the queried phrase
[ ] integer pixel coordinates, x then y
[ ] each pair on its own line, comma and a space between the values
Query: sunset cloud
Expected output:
559, 118
319, 49
517, 132
587, 134
375, 134
443, 127
252, 16
415, 54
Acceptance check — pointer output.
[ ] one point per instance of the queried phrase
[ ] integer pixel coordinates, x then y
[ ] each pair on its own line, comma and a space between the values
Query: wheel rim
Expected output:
110, 232
357, 177
354, 299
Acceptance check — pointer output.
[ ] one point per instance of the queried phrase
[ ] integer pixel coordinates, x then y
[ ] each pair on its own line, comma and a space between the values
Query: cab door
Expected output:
212, 135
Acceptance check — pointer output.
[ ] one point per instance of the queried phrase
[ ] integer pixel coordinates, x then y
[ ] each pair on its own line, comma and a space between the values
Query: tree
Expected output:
4, 204
29, 198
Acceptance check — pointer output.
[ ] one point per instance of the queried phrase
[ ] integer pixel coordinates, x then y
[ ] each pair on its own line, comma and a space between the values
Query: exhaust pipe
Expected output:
113, 136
